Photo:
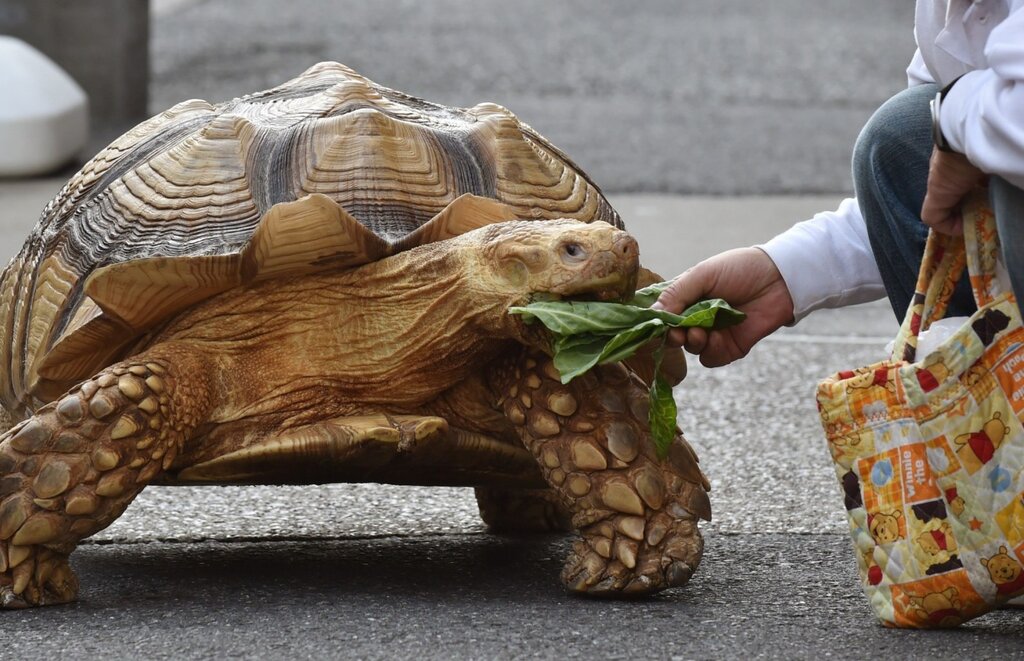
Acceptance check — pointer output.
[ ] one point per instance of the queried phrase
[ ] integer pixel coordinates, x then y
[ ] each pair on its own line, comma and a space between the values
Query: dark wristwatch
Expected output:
936, 104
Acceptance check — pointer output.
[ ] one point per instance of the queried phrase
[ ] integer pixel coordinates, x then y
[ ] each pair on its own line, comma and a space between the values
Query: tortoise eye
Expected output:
573, 250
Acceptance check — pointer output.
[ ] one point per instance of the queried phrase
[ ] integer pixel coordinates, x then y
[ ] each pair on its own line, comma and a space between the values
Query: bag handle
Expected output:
942, 266
981, 241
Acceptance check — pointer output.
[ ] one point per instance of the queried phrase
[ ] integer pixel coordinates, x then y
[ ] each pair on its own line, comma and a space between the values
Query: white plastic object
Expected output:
929, 340
44, 114
939, 331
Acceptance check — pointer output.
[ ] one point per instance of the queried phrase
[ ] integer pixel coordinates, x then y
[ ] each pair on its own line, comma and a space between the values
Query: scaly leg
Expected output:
637, 514
74, 467
522, 510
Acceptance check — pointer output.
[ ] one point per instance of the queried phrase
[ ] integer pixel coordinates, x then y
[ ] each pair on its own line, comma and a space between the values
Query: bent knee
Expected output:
897, 137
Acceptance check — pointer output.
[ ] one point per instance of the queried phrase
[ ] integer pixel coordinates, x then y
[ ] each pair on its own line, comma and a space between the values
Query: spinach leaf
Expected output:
586, 333
565, 342
711, 313
575, 317
646, 297
663, 411
571, 361
628, 342
575, 354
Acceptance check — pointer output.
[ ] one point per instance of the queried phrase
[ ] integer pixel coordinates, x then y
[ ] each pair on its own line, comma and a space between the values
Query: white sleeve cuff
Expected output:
983, 113
827, 261
983, 119
917, 72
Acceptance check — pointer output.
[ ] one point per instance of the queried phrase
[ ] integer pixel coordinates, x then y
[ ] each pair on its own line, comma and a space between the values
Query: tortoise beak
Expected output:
617, 288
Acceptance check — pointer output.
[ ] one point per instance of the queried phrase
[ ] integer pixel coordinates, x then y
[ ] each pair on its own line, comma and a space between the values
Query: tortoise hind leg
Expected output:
72, 469
637, 515
522, 510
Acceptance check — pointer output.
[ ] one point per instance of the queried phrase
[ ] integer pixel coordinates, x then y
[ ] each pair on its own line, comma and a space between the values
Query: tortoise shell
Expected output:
325, 171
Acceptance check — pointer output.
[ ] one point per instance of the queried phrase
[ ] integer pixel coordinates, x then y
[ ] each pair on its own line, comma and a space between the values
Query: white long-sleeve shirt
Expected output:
827, 261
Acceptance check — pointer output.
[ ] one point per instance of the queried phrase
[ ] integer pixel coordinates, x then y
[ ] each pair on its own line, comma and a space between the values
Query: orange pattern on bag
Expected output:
930, 454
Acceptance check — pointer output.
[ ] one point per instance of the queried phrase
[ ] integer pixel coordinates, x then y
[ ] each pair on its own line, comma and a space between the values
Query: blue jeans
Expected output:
890, 175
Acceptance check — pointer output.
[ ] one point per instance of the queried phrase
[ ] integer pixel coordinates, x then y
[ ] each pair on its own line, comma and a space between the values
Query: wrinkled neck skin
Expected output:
389, 335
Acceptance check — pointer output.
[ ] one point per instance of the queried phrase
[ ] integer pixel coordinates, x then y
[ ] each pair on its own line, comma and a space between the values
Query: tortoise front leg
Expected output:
522, 510
72, 469
637, 515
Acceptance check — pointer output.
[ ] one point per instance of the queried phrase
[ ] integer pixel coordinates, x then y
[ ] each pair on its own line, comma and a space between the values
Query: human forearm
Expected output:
827, 261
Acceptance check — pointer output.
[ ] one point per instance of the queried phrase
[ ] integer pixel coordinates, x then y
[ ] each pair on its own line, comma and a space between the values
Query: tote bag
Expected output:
929, 450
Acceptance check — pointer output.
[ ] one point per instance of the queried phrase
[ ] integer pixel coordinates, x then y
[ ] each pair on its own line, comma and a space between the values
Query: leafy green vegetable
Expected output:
663, 411
577, 359
575, 317
646, 297
712, 313
587, 333
575, 354
588, 349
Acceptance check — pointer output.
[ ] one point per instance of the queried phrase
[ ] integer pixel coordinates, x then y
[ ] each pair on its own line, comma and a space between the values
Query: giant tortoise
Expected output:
310, 284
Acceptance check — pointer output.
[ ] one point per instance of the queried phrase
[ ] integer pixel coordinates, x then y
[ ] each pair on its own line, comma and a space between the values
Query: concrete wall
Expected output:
103, 44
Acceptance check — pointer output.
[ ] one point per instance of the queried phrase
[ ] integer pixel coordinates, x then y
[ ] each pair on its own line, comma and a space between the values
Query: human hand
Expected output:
747, 279
950, 177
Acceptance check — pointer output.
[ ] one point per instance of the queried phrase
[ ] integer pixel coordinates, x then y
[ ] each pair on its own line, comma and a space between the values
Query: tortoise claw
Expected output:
633, 568
606, 586
9, 600
44, 578
583, 569
678, 573
639, 585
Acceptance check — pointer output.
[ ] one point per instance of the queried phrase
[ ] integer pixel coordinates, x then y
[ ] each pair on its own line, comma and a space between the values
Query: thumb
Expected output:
689, 287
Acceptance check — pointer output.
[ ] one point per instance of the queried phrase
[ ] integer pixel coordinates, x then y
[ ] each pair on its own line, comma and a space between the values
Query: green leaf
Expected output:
625, 344
575, 317
575, 354
564, 342
646, 297
586, 333
711, 313
574, 360
662, 416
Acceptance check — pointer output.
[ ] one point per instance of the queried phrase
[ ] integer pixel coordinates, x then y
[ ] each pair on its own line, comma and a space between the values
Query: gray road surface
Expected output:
681, 96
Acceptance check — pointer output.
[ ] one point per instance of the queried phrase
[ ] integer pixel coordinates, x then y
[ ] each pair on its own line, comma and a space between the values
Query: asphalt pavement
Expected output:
679, 96
663, 103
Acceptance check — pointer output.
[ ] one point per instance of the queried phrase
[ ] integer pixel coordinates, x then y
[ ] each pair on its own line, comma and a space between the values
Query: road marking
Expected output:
799, 338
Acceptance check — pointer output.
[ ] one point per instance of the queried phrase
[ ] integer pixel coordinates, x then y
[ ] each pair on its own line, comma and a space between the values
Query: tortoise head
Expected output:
519, 262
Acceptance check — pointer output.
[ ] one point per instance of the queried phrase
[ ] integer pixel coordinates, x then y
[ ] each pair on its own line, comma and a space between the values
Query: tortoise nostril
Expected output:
626, 246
